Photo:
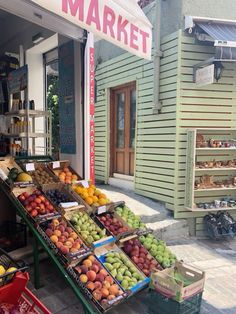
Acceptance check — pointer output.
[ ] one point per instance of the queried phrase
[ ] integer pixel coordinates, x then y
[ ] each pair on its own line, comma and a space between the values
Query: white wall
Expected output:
36, 83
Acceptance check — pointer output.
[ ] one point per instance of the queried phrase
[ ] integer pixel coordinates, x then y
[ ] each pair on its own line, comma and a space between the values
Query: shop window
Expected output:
52, 97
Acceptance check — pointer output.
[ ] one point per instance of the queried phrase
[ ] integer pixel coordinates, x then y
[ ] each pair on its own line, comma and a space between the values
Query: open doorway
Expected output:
52, 97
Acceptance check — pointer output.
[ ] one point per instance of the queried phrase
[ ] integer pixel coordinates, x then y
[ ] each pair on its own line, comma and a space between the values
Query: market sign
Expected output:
205, 76
121, 22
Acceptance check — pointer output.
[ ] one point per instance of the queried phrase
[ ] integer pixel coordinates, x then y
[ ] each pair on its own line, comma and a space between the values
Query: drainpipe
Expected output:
157, 58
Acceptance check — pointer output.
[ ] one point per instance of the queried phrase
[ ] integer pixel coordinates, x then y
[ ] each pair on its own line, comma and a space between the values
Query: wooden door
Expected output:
123, 121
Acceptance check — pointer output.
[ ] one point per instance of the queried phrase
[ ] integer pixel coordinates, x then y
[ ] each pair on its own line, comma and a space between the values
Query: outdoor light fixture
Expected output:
218, 70
36, 39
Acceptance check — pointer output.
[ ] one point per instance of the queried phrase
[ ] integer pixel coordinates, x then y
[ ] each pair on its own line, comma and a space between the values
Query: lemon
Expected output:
2, 270
10, 270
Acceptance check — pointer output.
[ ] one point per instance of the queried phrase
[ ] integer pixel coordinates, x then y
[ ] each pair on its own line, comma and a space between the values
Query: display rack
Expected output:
210, 162
29, 116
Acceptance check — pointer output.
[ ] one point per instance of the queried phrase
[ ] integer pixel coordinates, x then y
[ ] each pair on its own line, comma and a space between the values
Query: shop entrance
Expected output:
123, 121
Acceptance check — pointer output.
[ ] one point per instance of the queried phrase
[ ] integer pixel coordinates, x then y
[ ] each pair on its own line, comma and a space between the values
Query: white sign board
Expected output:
121, 22
205, 76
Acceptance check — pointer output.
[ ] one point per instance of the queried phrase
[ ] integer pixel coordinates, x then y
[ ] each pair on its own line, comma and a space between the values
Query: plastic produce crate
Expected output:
7, 262
159, 304
13, 235
16, 297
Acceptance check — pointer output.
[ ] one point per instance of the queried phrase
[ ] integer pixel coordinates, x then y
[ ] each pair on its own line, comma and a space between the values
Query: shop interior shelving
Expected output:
30, 134
196, 154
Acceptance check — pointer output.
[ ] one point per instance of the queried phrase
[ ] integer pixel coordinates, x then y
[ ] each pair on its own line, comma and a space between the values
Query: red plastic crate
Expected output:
16, 293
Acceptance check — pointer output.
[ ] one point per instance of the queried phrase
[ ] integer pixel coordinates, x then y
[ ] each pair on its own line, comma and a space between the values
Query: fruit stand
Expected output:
104, 252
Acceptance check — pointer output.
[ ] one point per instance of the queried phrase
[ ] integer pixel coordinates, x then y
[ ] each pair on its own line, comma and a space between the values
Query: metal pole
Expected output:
157, 56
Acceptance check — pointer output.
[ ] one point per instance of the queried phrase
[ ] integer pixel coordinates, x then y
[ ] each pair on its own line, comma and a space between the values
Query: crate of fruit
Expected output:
140, 256
93, 198
60, 195
40, 174
63, 239
98, 285
122, 268
63, 171
115, 224
91, 233
158, 249
132, 220
9, 267
179, 282
35, 203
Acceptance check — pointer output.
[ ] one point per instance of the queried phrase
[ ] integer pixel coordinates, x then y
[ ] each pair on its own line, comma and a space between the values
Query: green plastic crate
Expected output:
159, 304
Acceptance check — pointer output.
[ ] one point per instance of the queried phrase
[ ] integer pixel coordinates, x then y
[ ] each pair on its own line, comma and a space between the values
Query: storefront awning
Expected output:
223, 34
121, 22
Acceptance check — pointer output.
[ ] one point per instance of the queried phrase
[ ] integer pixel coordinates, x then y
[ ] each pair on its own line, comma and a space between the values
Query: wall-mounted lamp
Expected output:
218, 70
36, 39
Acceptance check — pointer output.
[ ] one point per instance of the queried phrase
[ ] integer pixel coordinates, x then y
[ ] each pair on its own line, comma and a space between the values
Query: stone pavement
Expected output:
216, 258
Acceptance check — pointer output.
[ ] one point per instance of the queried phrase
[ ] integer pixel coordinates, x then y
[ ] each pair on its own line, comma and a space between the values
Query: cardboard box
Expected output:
166, 283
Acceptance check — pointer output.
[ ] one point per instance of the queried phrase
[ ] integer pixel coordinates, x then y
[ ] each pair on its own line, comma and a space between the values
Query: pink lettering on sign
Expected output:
92, 126
133, 36
93, 14
144, 35
109, 18
76, 7
121, 25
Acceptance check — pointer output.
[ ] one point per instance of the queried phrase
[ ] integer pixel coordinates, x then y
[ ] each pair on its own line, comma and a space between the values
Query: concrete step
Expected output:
170, 229
153, 213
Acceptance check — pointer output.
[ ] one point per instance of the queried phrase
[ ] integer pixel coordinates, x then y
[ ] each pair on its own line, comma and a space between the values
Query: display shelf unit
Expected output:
194, 196
30, 117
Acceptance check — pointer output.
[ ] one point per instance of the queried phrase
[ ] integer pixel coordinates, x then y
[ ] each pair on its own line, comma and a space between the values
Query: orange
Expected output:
90, 192
102, 196
97, 192
74, 177
87, 262
89, 200
68, 181
84, 195
69, 174
95, 199
78, 190
102, 201
66, 169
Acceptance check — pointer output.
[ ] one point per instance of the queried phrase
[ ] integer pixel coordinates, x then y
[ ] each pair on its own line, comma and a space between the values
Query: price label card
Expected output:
30, 167
85, 183
101, 210
56, 164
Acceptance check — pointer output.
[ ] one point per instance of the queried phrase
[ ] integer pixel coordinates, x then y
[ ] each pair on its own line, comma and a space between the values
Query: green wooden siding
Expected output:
211, 106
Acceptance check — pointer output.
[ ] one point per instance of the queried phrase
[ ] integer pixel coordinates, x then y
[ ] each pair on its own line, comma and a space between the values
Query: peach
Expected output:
69, 230
62, 239
71, 240
55, 221
114, 290
103, 272
90, 285
91, 258
61, 228
64, 249
68, 244
87, 263
49, 232
111, 297
59, 244
73, 235
91, 275
106, 284
84, 269
76, 246
83, 278
98, 285
109, 279
105, 292
73, 250
54, 238
97, 295
57, 233
95, 268
99, 277
65, 234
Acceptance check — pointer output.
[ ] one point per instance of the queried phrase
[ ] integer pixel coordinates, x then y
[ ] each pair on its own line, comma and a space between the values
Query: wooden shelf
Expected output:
24, 112
209, 209
215, 189
215, 169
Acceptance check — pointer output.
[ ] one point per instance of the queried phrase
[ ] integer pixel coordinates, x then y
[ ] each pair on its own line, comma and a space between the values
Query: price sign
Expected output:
30, 167
84, 183
101, 210
56, 164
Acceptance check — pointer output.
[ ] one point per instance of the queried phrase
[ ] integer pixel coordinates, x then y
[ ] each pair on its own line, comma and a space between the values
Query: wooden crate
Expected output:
57, 166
